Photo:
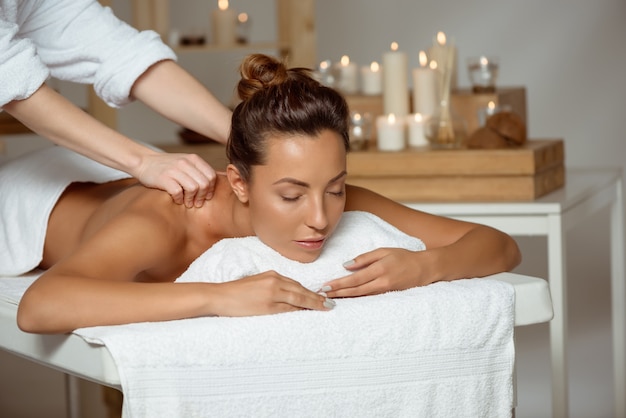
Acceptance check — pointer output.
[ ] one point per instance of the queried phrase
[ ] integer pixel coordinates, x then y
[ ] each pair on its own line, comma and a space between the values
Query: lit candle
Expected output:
444, 53
395, 85
224, 22
390, 130
425, 98
371, 79
348, 76
416, 130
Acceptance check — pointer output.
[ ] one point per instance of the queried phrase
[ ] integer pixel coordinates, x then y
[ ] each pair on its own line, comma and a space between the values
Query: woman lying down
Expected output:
114, 250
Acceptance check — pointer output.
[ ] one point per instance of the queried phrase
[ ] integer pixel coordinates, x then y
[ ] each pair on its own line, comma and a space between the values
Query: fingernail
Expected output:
325, 289
323, 294
329, 303
348, 263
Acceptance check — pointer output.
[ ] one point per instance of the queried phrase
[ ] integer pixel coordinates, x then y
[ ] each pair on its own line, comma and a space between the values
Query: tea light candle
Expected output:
395, 85
390, 130
483, 72
416, 130
371, 79
425, 87
348, 76
224, 22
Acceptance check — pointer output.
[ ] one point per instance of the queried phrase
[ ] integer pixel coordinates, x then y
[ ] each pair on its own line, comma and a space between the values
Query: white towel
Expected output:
29, 188
439, 351
356, 233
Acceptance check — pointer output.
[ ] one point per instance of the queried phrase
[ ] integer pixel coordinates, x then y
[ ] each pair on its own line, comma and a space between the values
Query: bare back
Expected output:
125, 217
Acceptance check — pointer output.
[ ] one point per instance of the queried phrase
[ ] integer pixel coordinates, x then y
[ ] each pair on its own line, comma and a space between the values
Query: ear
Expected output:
237, 183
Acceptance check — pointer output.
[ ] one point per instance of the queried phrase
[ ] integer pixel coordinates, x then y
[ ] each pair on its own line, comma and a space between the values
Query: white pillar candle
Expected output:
425, 97
224, 24
371, 79
440, 52
390, 130
415, 123
395, 82
347, 76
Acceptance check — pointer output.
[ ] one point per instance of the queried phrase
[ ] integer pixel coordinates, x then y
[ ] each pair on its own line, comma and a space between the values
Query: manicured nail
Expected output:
322, 294
325, 289
329, 303
349, 263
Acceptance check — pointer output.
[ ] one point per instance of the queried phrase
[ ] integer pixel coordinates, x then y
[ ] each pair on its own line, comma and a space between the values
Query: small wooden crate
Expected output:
515, 174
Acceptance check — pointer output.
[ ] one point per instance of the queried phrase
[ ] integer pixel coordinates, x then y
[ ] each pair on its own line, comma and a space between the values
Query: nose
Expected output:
316, 217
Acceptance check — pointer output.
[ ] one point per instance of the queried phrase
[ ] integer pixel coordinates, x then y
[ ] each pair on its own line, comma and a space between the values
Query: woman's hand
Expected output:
383, 270
265, 293
186, 177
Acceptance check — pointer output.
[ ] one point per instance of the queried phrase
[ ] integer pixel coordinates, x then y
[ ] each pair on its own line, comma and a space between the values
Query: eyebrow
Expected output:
304, 184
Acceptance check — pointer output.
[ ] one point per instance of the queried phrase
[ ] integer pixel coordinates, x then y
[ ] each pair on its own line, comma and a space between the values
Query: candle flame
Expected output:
324, 65
441, 38
345, 60
391, 118
374, 66
356, 117
484, 61
433, 65
242, 17
394, 46
491, 105
222, 4
418, 118
423, 59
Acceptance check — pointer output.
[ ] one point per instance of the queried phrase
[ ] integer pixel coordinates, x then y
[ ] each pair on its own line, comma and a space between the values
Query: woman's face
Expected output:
297, 198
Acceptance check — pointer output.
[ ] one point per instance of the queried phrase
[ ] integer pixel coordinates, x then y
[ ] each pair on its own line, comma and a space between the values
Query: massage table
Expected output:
77, 358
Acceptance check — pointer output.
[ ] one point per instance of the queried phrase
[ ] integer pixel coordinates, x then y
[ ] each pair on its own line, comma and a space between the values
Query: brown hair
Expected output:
277, 101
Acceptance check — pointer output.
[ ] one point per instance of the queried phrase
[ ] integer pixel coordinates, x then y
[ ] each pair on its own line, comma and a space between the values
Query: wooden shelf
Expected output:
283, 47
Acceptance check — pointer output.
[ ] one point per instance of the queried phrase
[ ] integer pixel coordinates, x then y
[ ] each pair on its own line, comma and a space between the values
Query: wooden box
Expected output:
424, 175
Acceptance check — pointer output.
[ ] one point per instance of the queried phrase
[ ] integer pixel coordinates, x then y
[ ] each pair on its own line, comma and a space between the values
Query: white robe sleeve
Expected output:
81, 41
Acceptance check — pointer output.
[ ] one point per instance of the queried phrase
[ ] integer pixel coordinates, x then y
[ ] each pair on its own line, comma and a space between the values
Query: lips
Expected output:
312, 244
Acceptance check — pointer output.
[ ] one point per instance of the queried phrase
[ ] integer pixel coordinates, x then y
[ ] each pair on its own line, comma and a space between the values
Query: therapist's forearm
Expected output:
50, 115
172, 92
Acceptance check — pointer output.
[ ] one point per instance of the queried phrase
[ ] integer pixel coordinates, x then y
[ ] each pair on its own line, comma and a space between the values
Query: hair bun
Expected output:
259, 72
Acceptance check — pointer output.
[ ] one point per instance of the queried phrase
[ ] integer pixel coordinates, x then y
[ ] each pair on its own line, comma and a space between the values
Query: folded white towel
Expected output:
439, 351
29, 188
356, 233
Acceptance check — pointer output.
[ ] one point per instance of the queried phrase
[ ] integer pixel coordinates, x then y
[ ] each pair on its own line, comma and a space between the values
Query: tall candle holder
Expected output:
360, 130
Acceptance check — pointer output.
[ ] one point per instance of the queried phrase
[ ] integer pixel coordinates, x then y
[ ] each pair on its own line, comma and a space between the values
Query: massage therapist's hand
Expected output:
186, 177
266, 293
380, 271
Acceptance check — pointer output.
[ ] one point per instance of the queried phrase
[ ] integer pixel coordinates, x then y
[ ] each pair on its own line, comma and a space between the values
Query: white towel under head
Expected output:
357, 232
438, 351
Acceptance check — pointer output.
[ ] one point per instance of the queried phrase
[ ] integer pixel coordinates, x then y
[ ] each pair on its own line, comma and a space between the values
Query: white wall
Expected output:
571, 57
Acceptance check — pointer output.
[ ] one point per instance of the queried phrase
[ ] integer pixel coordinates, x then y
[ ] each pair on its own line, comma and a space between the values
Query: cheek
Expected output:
271, 218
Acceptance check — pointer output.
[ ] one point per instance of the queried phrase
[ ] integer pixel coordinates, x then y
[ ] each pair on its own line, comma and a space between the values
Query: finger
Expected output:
340, 287
205, 177
303, 298
174, 189
362, 260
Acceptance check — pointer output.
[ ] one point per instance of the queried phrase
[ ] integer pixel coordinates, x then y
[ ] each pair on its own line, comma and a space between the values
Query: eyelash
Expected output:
294, 199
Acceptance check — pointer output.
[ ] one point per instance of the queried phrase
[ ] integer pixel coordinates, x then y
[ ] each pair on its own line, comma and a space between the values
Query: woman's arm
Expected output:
455, 250
188, 178
174, 93
124, 273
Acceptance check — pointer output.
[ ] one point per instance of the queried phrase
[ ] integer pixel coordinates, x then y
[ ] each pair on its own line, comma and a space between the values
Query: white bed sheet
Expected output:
73, 355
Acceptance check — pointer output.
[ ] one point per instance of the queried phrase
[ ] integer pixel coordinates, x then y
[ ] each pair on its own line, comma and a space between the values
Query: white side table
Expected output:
585, 192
